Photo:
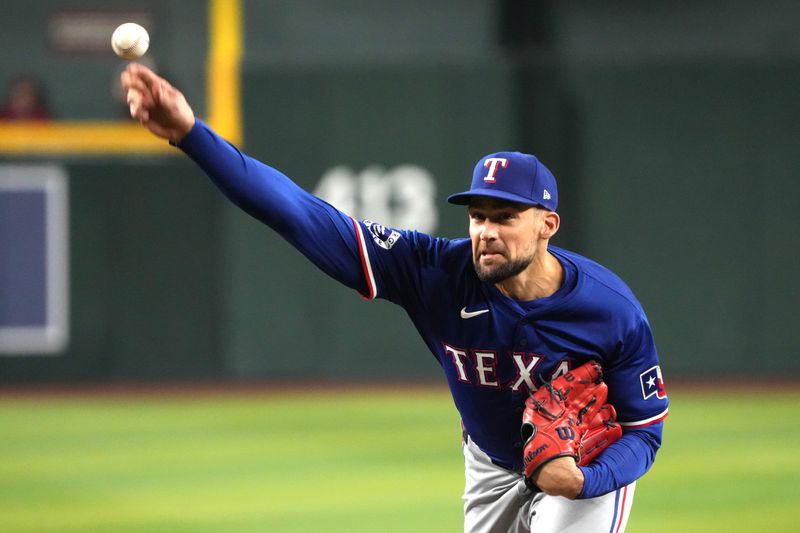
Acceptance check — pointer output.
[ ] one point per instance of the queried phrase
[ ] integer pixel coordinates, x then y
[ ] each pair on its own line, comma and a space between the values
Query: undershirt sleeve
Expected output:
623, 462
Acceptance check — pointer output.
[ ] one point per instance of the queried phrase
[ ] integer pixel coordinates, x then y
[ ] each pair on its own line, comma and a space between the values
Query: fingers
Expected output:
131, 77
148, 77
156, 104
154, 90
157, 91
140, 72
142, 79
136, 105
139, 83
141, 94
154, 84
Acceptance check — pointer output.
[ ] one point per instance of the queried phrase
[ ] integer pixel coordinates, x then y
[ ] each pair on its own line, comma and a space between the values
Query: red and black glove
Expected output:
568, 418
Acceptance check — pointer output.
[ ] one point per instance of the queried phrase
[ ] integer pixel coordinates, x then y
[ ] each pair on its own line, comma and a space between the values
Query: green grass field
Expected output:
350, 461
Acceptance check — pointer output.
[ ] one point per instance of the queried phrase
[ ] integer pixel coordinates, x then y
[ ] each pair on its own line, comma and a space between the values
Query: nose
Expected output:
488, 231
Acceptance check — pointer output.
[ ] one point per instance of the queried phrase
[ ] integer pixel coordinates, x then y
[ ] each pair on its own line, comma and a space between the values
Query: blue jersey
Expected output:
494, 350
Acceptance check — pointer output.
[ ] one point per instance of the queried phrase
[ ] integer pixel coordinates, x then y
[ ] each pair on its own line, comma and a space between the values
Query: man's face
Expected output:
504, 237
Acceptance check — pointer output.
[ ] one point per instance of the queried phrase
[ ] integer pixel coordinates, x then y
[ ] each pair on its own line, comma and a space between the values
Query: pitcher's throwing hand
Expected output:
156, 104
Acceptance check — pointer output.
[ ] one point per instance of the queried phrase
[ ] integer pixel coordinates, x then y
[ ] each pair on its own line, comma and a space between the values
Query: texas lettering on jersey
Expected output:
479, 367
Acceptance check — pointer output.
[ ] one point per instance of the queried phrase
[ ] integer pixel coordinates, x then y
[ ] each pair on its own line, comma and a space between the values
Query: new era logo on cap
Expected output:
511, 176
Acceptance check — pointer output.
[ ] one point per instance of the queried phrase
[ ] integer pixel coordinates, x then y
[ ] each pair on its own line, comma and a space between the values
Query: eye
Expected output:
476, 216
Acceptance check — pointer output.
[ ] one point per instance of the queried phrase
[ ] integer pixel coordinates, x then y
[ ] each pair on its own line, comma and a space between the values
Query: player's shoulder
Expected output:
599, 283
428, 249
443, 248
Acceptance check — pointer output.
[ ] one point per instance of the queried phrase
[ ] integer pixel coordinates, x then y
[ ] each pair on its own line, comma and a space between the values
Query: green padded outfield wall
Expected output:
143, 276
692, 173
673, 131
687, 146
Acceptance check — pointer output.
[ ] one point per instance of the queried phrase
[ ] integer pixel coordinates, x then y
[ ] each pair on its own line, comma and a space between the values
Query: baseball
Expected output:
130, 41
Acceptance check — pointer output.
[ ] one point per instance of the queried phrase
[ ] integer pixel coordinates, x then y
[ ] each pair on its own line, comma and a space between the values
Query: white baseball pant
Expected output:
496, 500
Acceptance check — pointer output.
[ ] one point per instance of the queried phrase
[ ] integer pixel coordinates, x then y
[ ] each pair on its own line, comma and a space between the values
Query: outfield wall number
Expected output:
400, 197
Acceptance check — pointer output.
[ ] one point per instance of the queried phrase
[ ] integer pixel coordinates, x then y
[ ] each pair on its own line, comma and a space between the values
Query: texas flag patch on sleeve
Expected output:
652, 383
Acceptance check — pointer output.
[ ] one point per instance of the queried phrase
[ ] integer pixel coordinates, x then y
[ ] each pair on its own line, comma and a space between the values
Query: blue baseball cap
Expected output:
512, 176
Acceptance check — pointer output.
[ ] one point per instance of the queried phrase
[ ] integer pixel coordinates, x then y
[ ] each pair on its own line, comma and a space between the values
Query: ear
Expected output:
550, 224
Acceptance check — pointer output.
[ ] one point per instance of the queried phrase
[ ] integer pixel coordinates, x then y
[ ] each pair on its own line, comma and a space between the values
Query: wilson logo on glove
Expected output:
568, 417
531, 455
565, 433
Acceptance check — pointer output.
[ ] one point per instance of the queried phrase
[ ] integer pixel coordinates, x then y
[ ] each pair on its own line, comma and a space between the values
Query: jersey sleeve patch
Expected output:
652, 383
383, 236
365, 262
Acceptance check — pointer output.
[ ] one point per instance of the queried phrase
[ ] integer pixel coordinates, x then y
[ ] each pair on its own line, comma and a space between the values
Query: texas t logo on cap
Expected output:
492, 163
511, 176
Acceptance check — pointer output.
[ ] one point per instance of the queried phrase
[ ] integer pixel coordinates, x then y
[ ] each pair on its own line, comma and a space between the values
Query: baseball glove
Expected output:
568, 418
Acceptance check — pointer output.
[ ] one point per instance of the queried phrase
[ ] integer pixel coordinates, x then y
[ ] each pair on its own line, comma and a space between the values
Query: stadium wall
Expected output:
674, 144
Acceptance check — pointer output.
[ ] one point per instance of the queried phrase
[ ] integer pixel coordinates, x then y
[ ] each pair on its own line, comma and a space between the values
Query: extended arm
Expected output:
325, 235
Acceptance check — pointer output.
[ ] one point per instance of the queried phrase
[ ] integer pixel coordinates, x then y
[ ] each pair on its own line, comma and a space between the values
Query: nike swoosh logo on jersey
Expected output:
469, 314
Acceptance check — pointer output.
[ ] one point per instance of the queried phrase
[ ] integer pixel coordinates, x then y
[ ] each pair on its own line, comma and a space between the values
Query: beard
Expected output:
502, 272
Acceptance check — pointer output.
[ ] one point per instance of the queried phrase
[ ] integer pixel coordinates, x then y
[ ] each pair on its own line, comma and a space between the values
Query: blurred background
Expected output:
673, 129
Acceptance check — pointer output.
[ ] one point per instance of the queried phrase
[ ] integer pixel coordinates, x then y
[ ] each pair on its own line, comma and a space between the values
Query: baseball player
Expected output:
521, 328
